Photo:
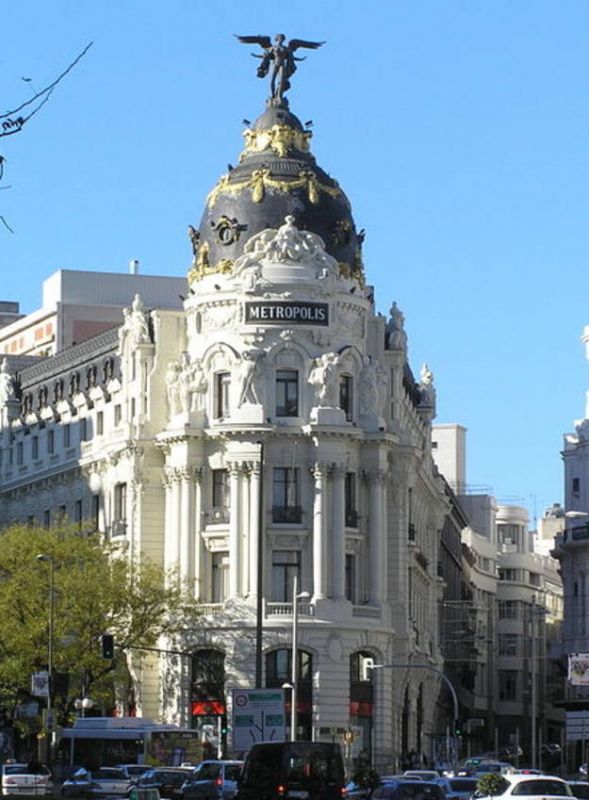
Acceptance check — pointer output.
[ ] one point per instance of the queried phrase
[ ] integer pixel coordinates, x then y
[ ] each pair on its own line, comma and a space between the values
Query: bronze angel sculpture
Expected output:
282, 58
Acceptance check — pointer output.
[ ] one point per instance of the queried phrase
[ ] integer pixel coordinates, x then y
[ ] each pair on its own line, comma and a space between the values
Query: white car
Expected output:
530, 787
424, 774
30, 779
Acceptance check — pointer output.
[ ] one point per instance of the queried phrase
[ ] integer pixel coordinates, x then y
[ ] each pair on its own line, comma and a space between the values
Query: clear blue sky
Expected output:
459, 130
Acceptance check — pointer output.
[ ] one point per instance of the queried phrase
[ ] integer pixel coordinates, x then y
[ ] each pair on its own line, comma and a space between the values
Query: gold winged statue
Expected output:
280, 55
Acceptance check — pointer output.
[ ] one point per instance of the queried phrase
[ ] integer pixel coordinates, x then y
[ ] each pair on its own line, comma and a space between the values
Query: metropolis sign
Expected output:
280, 311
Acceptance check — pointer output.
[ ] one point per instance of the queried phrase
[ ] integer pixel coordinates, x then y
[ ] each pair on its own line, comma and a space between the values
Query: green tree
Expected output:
96, 589
491, 783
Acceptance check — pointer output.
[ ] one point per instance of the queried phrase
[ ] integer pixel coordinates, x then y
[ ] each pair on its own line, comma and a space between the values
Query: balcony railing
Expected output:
366, 611
210, 609
292, 514
305, 609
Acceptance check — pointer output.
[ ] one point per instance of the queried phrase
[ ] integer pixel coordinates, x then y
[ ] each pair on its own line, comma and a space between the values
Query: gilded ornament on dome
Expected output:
342, 232
227, 231
279, 138
262, 179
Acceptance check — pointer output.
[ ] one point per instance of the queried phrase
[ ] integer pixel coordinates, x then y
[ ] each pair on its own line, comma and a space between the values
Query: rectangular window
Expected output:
19, 454
222, 386
95, 514
287, 393
50, 442
509, 644
47, 518
35, 447
350, 578
220, 498
285, 565
285, 495
346, 398
219, 577
100, 423
61, 515
66, 436
118, 414
84, 430
576, 487
119, 525
350, 499
31, 520
507, 684
509, 609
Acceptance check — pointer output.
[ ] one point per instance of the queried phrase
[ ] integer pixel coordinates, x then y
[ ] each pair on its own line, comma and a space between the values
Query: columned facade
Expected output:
274, 417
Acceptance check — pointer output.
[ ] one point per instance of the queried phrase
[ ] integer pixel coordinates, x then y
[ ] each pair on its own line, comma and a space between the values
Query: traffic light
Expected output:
107, 645
458, 728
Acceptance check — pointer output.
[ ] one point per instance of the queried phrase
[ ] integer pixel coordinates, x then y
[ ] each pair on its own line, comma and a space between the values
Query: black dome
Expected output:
277, 176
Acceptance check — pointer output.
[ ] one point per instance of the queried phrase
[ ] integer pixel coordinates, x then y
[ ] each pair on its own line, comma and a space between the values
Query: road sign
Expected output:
577, 726
258, 716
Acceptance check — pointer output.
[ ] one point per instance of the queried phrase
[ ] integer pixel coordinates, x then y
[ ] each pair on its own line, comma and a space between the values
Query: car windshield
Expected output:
232, 772
543, 786
19, 769
208, 772
109, 774
419, 791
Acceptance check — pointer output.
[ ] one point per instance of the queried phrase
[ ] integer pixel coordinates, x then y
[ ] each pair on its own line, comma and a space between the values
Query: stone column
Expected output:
186, 549
338, 534
375, 535
197, 544
319, 472
254, 521
171, 536
234, 520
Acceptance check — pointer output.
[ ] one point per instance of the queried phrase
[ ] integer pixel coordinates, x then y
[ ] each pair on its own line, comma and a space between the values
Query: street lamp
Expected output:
49, 560
83, 704
295, 661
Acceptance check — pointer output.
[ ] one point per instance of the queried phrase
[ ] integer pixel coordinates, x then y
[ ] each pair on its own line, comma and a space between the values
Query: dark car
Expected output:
212, 780
408, 790
167, 780
580, 789
277, 770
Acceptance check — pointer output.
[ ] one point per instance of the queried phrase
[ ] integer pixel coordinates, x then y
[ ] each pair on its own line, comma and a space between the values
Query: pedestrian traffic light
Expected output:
107, 645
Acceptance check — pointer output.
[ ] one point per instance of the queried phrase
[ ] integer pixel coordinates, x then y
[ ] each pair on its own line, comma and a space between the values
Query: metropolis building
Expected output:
270, 428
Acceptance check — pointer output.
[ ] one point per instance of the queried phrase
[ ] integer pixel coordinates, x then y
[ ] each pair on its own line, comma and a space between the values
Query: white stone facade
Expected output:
167, 422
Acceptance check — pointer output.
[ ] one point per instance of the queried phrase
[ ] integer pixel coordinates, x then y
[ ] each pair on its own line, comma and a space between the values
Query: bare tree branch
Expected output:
13, 124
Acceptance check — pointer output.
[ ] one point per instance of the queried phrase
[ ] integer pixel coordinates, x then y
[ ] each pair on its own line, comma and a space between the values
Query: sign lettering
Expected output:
292, 312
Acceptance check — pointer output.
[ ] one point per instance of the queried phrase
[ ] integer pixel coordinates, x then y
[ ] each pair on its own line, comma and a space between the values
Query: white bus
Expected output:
105, 741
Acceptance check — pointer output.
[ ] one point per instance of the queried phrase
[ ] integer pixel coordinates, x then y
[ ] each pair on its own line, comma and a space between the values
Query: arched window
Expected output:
362, 696
279, 672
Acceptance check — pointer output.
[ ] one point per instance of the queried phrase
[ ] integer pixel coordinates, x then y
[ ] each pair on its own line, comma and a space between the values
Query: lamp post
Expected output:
295, 661
49, 560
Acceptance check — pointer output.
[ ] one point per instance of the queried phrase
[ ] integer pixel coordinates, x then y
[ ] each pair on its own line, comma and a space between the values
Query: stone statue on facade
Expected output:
426, 386
248, 377
7, 391
323, 377
173, 389
396, 337
135, 325
279, 59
